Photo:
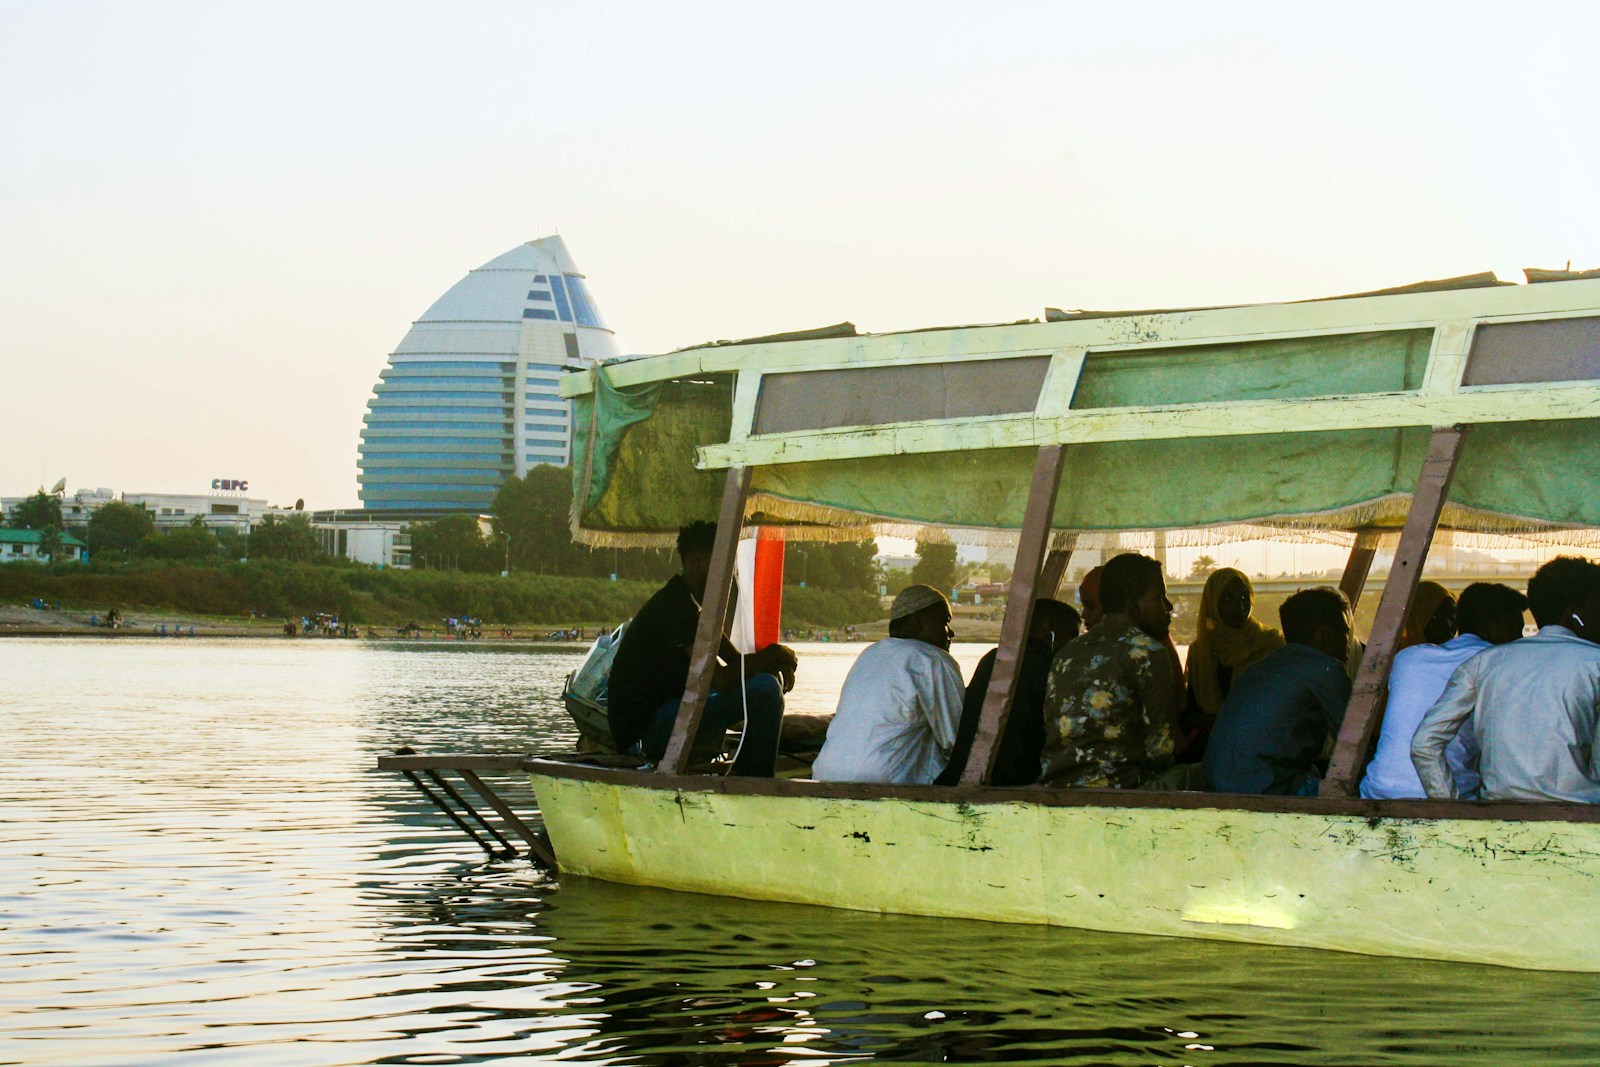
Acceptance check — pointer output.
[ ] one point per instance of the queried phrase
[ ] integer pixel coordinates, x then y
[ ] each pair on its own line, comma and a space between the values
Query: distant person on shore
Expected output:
1489, 614
651, 671
901, 701
1432, 618
1533, 703
1226, 641
1110, 707
1016, 760
1281, 713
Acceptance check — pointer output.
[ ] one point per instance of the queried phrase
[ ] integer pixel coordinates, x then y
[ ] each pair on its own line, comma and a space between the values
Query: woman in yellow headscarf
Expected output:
1226, 639
1432, 618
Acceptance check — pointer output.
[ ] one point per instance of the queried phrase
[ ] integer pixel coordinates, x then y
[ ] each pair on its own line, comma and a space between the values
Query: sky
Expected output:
217, 220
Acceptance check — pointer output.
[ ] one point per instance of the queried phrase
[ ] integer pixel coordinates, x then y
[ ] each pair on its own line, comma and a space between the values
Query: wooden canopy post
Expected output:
1358, 566
1055, 569
1025, 577
1371, 686
713, 613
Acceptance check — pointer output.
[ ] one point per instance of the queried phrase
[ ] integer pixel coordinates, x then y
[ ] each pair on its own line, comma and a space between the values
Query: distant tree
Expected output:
936, 565
193, 542
117, 527
533, 510
49, 542
844, 565
41, 511
452, 543
893, 579
235, 545
289, 538
1202, 567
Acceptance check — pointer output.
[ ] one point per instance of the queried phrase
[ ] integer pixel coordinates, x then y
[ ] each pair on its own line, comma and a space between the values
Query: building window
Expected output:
540, 279
482, 366
561, 298
572, 346
548, 427
538, 313
538, 294
583, 309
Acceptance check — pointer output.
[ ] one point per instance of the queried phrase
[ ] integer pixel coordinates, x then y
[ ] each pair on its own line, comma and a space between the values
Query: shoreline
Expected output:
20, 620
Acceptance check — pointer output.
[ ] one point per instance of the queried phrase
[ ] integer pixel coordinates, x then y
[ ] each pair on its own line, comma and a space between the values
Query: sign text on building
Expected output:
229, 485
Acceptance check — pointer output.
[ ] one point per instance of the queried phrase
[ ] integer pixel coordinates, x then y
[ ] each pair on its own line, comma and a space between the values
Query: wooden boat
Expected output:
1467, 405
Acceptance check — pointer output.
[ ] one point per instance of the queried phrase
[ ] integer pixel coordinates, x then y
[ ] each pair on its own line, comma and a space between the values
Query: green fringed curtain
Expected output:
633, 458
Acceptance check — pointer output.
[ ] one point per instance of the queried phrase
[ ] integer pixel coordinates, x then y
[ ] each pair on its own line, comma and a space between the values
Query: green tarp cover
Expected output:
636, 480
633, 455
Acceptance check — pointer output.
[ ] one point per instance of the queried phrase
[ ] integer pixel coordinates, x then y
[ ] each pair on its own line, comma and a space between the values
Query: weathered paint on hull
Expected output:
1520, 894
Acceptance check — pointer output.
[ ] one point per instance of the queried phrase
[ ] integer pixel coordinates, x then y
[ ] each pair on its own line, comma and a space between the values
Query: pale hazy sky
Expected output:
216, 220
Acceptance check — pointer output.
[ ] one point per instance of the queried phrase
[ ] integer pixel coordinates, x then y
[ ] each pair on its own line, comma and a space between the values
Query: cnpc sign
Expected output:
229, 485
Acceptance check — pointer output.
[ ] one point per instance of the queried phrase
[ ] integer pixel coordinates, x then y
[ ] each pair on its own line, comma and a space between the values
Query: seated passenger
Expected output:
1089, 596
1489, 615
1281, 714
1017, 760
651, 670
898, 710
1226, 641
1109, 707
1533, 703
1432, 618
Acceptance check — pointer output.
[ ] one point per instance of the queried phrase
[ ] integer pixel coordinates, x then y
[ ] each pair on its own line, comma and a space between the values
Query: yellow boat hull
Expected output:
1511, 892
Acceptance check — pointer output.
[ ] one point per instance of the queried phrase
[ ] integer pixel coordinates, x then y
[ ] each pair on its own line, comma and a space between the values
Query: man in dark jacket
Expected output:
651, 670
1017, 761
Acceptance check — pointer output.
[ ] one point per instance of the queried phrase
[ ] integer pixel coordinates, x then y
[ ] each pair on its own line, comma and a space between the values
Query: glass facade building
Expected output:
470, 396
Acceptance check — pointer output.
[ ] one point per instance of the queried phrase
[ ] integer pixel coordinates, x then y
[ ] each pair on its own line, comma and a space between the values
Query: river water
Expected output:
198, 863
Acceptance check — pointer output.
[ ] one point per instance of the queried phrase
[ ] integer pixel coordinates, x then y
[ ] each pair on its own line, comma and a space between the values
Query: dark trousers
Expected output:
758, 754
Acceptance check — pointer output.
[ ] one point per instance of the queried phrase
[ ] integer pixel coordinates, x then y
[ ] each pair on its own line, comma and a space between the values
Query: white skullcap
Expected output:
913, 598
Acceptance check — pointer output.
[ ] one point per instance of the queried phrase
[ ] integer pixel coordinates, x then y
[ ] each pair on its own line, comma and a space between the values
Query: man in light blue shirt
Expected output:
1489, 614
1534, 703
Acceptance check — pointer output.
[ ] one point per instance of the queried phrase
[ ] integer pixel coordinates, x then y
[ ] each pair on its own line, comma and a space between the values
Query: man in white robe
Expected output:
901, 703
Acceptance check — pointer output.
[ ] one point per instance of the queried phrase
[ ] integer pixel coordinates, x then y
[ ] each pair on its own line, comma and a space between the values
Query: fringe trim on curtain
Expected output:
1378, 522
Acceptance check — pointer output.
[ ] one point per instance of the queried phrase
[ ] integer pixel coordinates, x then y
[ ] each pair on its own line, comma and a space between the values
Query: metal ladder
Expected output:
427, 773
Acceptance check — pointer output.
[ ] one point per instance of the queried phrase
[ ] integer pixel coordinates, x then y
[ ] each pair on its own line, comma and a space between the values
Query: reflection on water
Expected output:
196, 857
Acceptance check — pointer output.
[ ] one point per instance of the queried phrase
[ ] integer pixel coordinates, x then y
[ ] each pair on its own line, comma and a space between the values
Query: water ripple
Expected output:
198, 860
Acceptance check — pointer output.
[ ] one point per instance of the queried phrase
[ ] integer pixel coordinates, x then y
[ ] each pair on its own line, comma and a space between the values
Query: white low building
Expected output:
27, 546
226, 507
378, 543
217, 511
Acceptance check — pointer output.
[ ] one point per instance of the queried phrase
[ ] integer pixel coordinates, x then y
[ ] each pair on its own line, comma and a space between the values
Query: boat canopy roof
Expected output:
1306, 420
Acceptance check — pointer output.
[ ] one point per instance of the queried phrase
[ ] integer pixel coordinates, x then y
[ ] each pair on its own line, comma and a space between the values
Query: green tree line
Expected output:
368, 596
279, 568
121, 531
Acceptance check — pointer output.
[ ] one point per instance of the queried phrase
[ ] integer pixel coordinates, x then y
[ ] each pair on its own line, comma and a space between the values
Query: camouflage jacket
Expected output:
1109, 708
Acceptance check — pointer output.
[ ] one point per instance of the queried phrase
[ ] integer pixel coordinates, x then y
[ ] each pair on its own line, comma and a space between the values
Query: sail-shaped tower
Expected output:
469, 397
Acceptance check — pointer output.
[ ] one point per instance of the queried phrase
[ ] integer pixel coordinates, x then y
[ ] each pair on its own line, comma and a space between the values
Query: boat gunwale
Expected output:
1428, 810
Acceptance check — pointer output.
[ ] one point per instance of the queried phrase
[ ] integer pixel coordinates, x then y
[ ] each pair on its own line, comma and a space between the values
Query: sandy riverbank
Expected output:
17, 620
21, 621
